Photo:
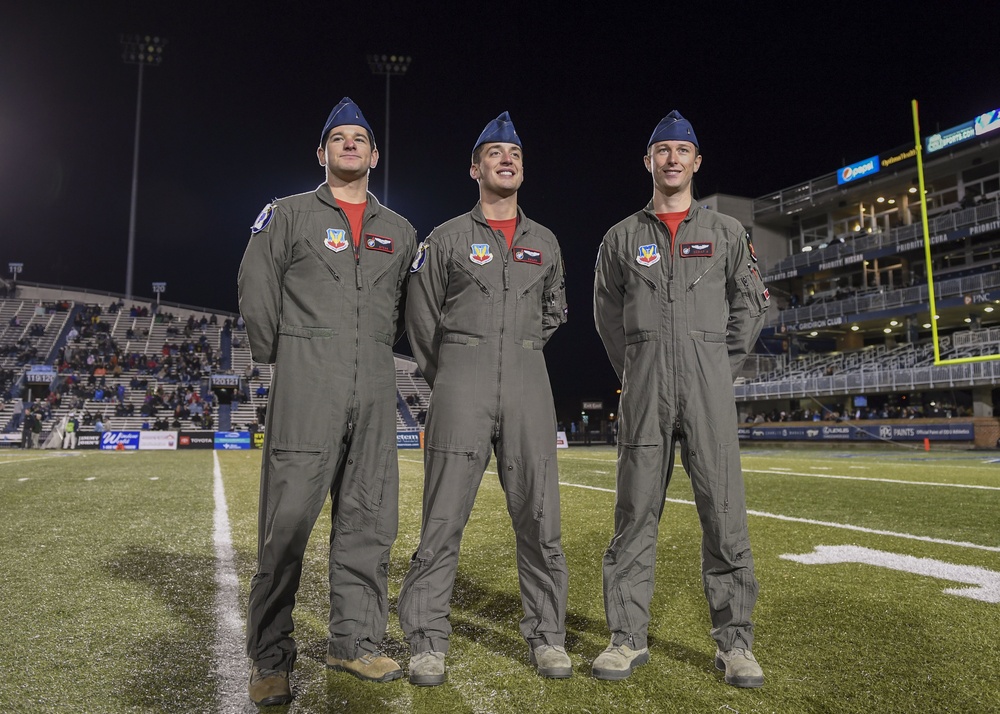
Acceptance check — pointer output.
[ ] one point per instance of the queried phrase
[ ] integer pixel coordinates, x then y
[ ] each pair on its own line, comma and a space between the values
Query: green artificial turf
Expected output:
108, 590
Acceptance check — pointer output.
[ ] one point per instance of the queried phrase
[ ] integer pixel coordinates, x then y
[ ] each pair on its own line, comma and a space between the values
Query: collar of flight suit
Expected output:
324, 194
523, 222
651, 212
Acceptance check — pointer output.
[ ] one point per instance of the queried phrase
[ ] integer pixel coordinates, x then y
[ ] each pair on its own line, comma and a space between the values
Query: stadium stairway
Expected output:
226, 350
61, 338
225, 417
404, 411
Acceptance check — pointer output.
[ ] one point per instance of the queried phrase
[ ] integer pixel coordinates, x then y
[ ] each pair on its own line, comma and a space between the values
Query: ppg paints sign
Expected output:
858, 170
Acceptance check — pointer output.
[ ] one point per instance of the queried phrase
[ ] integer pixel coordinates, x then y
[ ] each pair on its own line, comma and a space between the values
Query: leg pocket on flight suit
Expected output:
295, 482
729, 497
385, 495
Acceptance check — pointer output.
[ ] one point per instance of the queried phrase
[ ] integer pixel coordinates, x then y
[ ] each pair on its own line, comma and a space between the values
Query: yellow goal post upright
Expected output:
927, 253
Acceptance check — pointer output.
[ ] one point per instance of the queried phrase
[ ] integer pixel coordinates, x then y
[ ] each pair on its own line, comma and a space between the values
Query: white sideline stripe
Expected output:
869, 478
228, 663
828, 524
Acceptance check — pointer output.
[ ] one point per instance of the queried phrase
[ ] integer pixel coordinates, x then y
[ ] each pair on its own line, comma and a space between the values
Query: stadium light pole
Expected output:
389, 65
141, 50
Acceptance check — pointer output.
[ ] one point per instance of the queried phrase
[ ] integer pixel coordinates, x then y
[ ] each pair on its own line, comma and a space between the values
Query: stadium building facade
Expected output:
844, 258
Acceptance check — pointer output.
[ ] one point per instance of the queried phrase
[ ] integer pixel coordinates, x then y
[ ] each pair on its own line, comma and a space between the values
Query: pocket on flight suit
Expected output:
385, 495
754, 292
639, 422
730, 499
295, 481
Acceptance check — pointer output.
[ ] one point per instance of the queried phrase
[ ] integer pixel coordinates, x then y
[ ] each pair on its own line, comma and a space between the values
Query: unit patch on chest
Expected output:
648, 255
527, 255
336, 239
696, 250
374, 242
480, 254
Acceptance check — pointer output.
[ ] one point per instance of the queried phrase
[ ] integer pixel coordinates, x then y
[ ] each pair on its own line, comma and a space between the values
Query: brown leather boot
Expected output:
371, 667
269, 687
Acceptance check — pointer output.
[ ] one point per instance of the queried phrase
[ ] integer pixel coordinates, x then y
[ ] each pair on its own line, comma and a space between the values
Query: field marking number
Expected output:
986, 582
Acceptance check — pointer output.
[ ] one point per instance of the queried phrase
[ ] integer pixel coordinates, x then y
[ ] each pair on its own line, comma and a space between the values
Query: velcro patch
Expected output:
697, 250
263, 218
374, 242
527, 255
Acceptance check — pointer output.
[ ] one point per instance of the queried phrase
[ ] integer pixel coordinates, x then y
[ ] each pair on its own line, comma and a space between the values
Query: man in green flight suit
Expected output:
678, 302
486, 293
321, 288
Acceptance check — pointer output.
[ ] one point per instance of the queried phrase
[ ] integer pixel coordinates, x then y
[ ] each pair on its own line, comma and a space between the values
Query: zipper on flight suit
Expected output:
359, 284
503, 320
703, 274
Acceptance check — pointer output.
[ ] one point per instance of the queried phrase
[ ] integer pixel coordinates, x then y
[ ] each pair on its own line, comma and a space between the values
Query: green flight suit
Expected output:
678, 318
477, 317
326, 314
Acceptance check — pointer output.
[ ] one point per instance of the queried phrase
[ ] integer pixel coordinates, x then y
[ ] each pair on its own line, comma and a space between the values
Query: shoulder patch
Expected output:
753, 253
263, 218
420, 258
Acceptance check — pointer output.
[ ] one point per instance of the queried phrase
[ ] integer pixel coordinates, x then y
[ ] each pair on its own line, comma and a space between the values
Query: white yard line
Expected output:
869, 478
34, 458
229, 665
828, 524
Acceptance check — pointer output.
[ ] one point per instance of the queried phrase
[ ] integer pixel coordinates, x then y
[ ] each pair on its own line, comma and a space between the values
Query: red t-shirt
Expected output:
506, 226
355, 213
672, 221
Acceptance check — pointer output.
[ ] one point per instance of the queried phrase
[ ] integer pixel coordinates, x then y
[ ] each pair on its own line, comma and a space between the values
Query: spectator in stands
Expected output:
286, 302
27, 428
36, 429
684, 349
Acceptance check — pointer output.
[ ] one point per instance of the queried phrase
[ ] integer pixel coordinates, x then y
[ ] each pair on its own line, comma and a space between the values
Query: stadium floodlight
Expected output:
159, 288
390, 66
15, 269
141, 50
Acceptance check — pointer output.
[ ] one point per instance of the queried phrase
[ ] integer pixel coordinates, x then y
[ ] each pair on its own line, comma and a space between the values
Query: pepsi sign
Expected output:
858, 170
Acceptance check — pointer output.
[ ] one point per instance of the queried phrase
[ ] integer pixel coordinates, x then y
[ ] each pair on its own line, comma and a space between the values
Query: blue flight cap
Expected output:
500, 129
673, 127
347, 112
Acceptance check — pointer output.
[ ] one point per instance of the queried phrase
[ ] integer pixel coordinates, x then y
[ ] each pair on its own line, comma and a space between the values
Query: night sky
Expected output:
232, 119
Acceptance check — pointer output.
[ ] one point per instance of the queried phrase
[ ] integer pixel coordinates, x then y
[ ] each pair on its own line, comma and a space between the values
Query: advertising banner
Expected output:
120, 441
857, 170
88, 440
561, 442
950, 137
855, 431
196, 440
409, 439
10, 440
158, 440
229, 440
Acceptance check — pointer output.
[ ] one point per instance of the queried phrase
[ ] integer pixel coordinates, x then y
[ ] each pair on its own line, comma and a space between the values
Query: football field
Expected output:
125, 579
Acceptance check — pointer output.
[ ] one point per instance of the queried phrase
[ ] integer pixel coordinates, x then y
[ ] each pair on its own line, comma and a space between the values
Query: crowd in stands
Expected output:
933, 411
23, 351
